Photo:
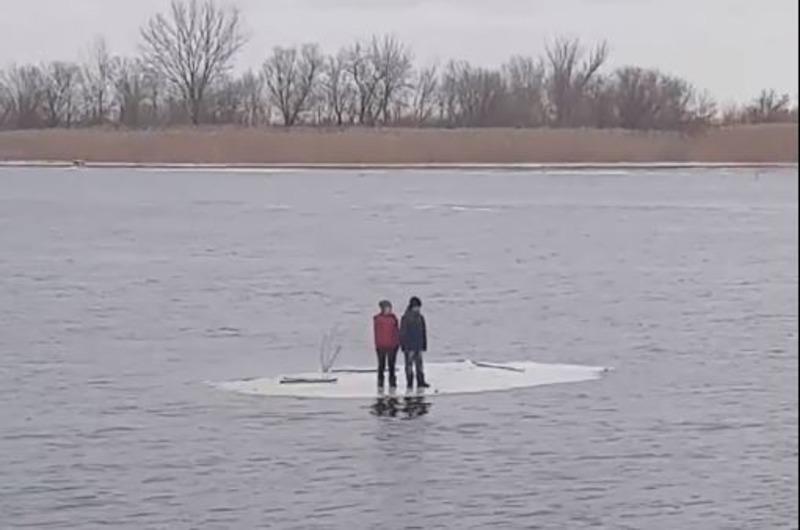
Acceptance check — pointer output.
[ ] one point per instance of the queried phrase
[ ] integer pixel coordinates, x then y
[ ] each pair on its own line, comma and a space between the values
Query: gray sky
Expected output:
733, 48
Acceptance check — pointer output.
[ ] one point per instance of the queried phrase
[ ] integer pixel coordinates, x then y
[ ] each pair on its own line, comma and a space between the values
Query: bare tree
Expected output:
425, 88
184, 75
769, 107
366, 79
638, 97
24, 88
255, 109
97, 78
5, 102
731, 115
226, 101
391, 64
129, 91
704, 112
61, 80
448, 95
338, 92
157, 97
648, 99
136, 91
485, 96
597, 107
569, 73
525, 78
238, 101
474, 97
675, 109
193, 46
291, 76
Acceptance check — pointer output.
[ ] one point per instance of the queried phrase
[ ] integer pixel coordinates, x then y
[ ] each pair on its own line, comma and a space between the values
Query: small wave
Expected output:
454, 207
223, 332
471, 209
216, 202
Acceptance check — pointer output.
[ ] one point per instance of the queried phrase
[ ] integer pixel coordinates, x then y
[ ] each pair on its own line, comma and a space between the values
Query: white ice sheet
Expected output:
463, 377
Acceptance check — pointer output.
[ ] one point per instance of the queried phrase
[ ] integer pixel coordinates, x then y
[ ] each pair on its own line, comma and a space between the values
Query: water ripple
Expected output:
123, 291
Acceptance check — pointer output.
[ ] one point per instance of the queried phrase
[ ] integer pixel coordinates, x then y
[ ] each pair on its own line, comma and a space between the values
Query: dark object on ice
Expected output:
288, 380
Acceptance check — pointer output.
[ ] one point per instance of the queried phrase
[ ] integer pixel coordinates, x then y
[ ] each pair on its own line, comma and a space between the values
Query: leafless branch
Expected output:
61, 80
291, 77
192, 46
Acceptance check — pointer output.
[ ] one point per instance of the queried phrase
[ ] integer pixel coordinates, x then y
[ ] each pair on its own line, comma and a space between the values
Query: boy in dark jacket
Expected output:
414, 342
387, 342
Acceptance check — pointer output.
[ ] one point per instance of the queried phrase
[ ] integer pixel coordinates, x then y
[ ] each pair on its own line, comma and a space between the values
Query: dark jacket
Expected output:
386, 333
413, 336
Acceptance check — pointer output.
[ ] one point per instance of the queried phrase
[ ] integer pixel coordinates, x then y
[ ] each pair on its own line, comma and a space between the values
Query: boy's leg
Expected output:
381, 366
409, 358
419, 369
391, 366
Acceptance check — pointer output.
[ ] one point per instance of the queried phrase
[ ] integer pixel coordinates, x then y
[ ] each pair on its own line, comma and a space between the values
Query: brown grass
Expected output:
742, 144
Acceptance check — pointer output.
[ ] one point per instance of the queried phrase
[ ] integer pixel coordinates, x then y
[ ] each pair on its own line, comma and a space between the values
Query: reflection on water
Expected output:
408, 407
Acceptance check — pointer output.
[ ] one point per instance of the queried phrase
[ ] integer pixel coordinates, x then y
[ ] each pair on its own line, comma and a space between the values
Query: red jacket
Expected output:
387, 333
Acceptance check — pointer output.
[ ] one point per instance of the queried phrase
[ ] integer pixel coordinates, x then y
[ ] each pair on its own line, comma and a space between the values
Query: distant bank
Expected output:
424, 148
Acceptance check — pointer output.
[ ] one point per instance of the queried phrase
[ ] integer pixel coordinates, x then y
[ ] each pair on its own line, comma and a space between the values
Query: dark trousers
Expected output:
414, 364
387, 359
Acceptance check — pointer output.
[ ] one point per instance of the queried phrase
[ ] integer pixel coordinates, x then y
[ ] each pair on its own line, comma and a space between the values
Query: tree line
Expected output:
184, 75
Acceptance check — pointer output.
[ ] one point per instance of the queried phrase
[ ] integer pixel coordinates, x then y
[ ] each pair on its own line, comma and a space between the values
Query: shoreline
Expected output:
551, 166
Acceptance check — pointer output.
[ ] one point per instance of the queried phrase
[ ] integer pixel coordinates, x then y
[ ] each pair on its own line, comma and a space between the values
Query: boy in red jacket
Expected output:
387, 342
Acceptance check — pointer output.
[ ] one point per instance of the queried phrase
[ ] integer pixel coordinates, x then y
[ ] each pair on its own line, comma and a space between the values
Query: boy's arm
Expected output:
396, 331
424, 335
401, 333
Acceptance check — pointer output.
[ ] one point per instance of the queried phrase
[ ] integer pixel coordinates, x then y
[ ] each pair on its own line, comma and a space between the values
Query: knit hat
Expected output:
414, 302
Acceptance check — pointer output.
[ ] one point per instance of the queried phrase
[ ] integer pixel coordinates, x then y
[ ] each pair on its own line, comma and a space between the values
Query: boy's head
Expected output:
415, 304
385, 306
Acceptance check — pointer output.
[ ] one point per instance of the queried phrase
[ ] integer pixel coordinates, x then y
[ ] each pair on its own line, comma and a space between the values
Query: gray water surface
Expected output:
124, 293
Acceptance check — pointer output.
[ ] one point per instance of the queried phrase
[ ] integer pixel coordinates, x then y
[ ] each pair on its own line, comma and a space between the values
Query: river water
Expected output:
124, 294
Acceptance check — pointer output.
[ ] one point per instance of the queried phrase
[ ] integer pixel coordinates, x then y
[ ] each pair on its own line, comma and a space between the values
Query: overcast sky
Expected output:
733, 48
